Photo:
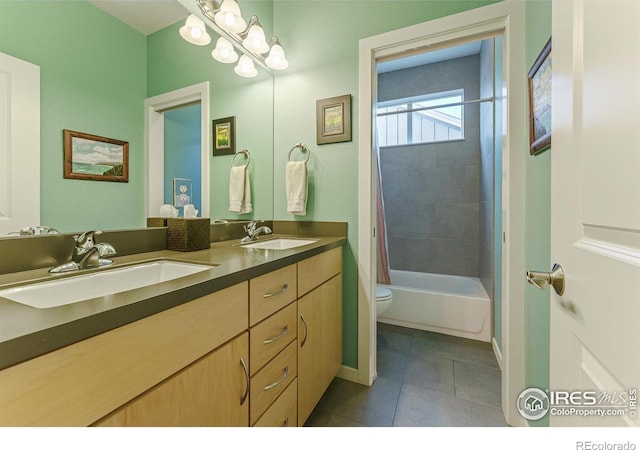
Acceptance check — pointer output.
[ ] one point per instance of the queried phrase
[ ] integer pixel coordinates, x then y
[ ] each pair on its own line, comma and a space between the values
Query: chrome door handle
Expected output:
542, 280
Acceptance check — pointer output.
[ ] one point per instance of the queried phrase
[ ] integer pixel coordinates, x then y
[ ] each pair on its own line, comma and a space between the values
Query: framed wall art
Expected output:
540, 102
224, 136
333, 120
97, 158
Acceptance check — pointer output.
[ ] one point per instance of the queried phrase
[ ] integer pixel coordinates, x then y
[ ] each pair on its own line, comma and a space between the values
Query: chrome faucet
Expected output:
253, 233
87, 254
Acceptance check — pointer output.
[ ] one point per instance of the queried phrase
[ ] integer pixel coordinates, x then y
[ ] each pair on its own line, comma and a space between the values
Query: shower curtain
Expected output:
382, 254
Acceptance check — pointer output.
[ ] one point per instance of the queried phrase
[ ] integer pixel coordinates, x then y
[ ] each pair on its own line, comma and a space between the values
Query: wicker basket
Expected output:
153, 222
188, 235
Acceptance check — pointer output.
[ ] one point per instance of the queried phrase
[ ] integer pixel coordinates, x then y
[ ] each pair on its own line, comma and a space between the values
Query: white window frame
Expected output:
409, 102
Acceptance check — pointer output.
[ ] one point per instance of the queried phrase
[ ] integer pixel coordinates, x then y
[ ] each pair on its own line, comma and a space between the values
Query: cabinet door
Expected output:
210, 392
319, 343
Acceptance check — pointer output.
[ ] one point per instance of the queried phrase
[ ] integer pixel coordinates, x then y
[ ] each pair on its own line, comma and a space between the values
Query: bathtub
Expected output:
448, 304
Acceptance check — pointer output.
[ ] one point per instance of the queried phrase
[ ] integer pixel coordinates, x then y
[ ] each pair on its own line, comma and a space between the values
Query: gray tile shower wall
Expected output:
432, 191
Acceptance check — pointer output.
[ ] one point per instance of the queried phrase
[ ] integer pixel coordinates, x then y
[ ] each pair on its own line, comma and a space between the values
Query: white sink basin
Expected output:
65, 291
281, 243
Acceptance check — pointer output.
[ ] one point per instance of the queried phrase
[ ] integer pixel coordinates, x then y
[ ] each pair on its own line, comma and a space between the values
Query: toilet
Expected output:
384, 298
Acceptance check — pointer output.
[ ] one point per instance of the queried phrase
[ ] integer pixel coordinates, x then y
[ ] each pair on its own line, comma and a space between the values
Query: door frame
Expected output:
505, 18
154, 108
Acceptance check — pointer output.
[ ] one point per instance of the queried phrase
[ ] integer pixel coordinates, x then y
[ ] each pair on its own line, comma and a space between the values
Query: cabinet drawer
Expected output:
272, 380
314, 271
270, 292
271, 335
284, 411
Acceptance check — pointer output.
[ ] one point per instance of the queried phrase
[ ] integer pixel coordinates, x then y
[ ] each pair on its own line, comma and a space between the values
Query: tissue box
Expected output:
188, 234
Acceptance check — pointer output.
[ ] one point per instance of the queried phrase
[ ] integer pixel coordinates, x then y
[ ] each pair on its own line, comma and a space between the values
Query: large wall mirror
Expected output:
97, 72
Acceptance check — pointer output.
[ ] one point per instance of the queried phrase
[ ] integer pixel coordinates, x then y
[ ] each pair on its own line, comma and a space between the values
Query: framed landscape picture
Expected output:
97, 158
540, 102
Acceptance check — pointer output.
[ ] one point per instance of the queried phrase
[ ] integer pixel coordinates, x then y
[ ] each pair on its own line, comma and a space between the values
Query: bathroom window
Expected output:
429, 118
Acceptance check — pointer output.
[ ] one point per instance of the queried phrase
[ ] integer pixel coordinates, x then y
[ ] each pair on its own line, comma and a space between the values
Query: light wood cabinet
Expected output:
320, 343
259, 353
319, 328
272, 380
213, 391
284, 411
270, 292
80, 384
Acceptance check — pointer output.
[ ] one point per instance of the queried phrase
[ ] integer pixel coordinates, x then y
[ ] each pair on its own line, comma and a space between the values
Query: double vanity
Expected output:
233, 335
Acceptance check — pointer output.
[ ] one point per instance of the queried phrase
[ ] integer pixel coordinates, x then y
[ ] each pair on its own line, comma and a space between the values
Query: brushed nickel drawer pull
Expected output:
304, 322
273, 294
272, 385
246, 376
286, 422
283, 334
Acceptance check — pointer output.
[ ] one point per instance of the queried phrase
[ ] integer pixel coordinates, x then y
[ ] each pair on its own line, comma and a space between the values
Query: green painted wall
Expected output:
321, 40
93, 80
537, 223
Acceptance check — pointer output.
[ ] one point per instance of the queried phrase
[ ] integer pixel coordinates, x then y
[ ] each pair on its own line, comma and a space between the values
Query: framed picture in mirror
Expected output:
224, 136
97, 158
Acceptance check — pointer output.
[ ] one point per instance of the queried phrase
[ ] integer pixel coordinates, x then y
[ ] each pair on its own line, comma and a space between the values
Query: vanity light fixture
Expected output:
225, 19
276, 59
245, 67
224, 52
255, 40
194, 31
228, 17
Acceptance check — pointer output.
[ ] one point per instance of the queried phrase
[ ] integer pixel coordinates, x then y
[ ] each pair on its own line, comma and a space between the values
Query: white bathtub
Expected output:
447, 304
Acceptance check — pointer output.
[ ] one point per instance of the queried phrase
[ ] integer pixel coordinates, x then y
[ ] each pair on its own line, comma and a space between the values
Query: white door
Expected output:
19, 144
595, 211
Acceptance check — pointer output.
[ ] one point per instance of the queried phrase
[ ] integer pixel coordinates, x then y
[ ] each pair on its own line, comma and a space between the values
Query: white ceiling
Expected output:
146, 16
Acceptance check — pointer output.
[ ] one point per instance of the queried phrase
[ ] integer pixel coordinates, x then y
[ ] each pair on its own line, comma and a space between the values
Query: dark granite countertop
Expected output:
27, 332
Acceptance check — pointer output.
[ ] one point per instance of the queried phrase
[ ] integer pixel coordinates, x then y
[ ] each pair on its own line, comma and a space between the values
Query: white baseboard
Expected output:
349, 374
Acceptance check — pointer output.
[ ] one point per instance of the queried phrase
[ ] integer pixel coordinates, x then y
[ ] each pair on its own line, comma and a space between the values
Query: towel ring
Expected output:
246, 154
303, 148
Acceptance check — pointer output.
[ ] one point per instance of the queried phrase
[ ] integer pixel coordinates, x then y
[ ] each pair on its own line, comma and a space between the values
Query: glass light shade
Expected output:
255, 40
194, 31
276, 59
245, 67
229, 18
224, 52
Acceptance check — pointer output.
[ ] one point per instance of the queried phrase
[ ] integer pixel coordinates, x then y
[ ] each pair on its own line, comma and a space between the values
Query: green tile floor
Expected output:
424, 380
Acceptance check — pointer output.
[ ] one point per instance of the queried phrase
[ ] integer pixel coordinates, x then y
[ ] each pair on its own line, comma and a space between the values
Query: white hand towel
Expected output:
239, 190
297, 187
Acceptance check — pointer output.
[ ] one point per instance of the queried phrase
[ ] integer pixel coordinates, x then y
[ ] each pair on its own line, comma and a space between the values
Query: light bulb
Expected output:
255, 40
224, 51
245, 67
229, 18
194, 31
276, 59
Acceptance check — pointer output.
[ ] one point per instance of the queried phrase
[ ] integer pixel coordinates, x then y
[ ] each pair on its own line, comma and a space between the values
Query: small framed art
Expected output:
224, 136
333, 119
